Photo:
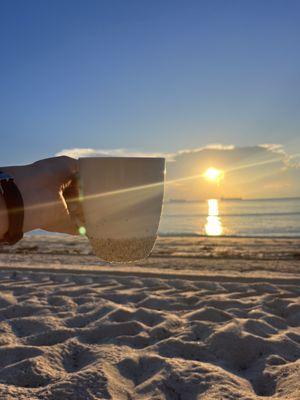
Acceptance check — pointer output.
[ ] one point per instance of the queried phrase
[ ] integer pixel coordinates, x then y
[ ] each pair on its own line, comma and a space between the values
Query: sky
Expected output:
155, 77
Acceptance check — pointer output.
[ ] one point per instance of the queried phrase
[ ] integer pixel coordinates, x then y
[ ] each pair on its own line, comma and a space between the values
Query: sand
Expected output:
201, 319
122, 250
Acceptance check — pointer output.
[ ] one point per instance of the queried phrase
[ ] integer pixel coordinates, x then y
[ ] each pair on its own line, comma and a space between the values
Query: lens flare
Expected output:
82, 231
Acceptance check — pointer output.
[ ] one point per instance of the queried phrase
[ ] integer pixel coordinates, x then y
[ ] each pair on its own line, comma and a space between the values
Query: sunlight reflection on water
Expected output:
213, 226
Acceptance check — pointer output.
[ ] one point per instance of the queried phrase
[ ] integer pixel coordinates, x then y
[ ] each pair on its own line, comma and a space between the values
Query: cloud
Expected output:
290, 160
88, 152
294, 161
264, 170
215, 146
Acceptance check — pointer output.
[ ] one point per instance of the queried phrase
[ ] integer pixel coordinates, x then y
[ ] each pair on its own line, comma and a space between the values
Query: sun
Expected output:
213, 174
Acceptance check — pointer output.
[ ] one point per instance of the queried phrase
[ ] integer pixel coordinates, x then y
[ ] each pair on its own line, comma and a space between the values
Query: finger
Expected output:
71, 164
69, 227
63, 168
65, 225
70, 191
66, 168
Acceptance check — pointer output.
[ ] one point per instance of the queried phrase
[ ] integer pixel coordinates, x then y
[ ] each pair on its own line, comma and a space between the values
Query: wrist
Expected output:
3, 217
24, 179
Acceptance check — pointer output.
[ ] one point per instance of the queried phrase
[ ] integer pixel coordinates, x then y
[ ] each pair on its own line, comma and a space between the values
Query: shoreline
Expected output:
192, 235
184, 235
263, 258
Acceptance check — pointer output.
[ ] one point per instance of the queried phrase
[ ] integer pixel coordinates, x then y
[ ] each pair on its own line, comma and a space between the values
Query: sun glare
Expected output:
213, 225
213, 174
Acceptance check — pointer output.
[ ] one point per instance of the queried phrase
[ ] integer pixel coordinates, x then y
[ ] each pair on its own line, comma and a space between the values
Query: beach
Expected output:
202, 318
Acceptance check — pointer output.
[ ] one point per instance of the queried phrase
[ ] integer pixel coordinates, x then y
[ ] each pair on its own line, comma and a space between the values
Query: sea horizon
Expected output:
180, 200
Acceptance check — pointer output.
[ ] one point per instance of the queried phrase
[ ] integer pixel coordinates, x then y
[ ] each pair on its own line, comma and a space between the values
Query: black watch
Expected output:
15, 208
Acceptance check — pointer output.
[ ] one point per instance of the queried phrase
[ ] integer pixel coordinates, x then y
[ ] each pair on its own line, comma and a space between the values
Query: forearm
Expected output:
41, 185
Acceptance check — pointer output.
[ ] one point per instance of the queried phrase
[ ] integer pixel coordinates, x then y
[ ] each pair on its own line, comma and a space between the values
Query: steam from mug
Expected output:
121, 202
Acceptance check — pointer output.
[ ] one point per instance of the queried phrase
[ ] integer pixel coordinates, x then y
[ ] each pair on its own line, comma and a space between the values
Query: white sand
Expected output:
214, 333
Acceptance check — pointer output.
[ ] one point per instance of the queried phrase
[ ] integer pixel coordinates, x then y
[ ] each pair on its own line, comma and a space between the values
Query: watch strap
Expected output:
15, 209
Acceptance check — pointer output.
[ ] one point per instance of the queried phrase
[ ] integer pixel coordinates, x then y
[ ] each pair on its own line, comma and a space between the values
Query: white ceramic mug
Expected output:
121, 200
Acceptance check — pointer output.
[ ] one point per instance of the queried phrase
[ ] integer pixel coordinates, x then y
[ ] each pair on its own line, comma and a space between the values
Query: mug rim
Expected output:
122, 158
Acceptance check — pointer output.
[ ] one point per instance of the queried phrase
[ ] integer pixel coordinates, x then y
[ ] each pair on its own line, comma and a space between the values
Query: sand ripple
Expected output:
71, 337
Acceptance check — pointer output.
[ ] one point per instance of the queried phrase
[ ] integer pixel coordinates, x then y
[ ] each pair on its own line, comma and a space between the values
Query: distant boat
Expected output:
177, 201
231, 199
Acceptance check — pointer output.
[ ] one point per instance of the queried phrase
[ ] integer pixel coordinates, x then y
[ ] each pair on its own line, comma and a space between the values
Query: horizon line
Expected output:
170, 200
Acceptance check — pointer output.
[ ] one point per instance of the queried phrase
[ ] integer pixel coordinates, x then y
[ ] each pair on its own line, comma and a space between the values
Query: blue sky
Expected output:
156, 76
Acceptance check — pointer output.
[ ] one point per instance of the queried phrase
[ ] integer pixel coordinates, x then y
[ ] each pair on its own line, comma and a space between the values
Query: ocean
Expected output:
232, 218
266, 218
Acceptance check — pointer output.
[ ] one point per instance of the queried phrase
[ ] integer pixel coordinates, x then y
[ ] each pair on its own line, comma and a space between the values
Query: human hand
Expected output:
41, 185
